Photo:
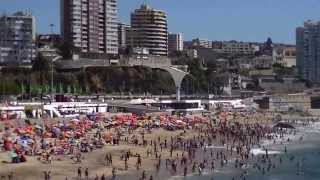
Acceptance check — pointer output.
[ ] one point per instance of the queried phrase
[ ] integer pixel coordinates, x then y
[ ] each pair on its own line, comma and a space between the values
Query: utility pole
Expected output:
52, 79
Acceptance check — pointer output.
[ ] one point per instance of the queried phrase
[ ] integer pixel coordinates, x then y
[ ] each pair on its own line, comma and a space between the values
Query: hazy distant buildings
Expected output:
91, 25
256, 62
202, 43
224, 47
235, 47
286, 56
308, 51
262, 62
17, 38
149, 30
192, 53
123, 35
267, 47
175, 42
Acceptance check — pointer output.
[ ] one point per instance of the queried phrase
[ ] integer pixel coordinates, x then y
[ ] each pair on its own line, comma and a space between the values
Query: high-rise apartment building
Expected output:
17, 38
175, 42
308, 51
149, 30
91, 25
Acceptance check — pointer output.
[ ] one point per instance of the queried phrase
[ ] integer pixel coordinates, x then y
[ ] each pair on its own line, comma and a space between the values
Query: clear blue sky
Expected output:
246, 20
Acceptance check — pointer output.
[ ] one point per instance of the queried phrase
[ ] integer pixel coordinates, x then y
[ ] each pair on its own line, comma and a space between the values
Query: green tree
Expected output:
41, 64
66, 49
195, 69
41, 68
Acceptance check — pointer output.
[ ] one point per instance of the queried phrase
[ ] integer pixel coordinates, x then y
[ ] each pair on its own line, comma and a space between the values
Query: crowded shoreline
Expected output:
127, 146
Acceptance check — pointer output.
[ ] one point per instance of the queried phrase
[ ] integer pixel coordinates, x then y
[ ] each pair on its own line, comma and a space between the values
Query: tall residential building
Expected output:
17, 38
175, 42
149, 30
308, 51
91, 25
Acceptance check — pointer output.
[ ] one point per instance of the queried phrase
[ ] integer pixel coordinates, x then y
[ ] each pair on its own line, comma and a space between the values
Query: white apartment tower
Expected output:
175, 42
308, 51
149, 30
91, 25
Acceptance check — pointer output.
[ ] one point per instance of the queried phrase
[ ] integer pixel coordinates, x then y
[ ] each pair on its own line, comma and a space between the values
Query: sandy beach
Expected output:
63, 167
66, 167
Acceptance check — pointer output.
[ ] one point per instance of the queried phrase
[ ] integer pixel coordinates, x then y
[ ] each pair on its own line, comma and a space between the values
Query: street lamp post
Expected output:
52, 80
51, 28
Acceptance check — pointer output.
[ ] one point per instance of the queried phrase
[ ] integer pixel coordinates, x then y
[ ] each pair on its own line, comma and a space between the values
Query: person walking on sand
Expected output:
185, 171
86, 173
139, 162
200, 170
103, 177
143, 176
47, 175
110, 159
126, 163
79, 172
97, 177
10, 176
114, 173
212, 166
107, 159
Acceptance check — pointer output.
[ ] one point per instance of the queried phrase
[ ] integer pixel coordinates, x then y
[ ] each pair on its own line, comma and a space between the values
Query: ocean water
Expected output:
301, 161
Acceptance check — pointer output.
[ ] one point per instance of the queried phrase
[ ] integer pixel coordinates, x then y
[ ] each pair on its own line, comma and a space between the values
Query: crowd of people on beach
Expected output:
214, 143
